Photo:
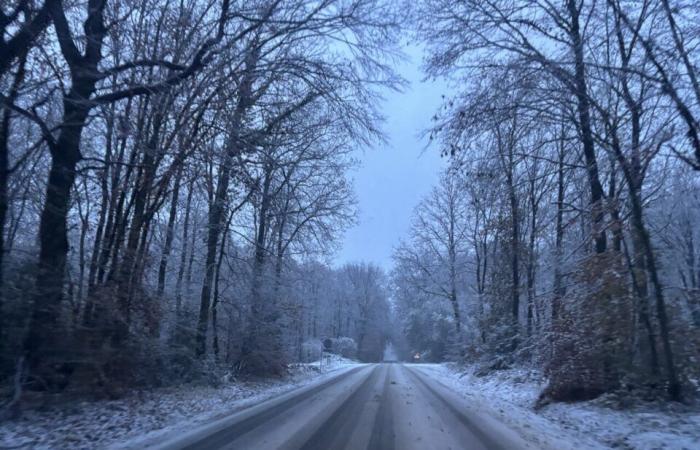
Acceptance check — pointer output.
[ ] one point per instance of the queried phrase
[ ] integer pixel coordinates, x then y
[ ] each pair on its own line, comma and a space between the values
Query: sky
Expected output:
393, 178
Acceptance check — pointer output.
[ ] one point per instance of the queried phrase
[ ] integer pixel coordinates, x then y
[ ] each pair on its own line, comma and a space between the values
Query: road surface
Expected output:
375, 406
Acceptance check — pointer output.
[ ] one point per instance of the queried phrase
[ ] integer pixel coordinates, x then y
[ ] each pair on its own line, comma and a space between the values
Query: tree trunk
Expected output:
217, 279
531, 261
261, 343
105, 206
65, 155
169, 232
214, 229
128, 268
584, 116
119, 211
84, 227
559, 238
634, 177
218, 205
615, 210
183, 254
452, 254
674, 386
259, 258
5, 176
514, 246
53, 238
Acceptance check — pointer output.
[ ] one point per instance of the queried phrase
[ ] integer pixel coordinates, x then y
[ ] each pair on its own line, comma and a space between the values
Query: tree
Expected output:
437, 245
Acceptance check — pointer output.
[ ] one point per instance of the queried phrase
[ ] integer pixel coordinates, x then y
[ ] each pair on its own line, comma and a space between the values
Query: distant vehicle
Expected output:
416, 357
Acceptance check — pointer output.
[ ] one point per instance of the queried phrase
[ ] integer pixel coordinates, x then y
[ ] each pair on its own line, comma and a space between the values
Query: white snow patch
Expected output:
329, 361
148, 414
510, 395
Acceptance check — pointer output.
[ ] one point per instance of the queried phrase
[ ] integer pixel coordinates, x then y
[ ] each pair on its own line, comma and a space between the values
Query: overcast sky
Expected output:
392, 179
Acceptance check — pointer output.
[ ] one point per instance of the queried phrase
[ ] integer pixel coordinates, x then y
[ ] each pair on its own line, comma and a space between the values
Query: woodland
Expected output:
175, 178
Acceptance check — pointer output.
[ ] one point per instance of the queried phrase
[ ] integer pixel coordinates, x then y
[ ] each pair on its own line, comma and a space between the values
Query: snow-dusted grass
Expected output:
510, 395
146, 415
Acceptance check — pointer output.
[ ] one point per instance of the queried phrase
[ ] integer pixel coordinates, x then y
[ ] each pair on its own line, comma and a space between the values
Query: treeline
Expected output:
169, 173
565, 232
348, 308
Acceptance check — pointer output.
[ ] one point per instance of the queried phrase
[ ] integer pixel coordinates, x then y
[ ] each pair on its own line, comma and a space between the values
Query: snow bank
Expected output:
125, 422
329, 361
510, 395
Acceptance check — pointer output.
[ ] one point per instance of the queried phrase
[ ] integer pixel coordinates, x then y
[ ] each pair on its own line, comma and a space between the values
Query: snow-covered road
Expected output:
377, 406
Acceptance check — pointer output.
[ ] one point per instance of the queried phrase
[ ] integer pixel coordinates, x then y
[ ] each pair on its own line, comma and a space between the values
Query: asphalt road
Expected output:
377, 406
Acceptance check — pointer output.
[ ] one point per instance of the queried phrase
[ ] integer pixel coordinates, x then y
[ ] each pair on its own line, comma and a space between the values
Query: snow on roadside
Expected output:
329, 361
117, 423
509, 395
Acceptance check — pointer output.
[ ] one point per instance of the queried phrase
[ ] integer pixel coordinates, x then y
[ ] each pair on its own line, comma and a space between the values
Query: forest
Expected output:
564, 233
175, 178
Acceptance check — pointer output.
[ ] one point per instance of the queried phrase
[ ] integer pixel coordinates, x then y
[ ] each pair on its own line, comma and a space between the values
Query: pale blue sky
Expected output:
392, 179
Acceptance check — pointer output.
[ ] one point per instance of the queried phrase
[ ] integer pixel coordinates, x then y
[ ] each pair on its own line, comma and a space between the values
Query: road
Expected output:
376, 406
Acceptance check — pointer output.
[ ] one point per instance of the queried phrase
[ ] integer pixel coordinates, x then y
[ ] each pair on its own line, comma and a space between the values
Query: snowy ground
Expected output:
112, 424
510, 395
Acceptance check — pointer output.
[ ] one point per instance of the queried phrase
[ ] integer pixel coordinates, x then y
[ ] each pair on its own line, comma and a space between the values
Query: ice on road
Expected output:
377, 406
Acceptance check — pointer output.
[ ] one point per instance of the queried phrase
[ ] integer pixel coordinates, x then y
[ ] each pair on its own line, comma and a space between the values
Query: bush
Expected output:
311, 350
593, 337
344, 346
